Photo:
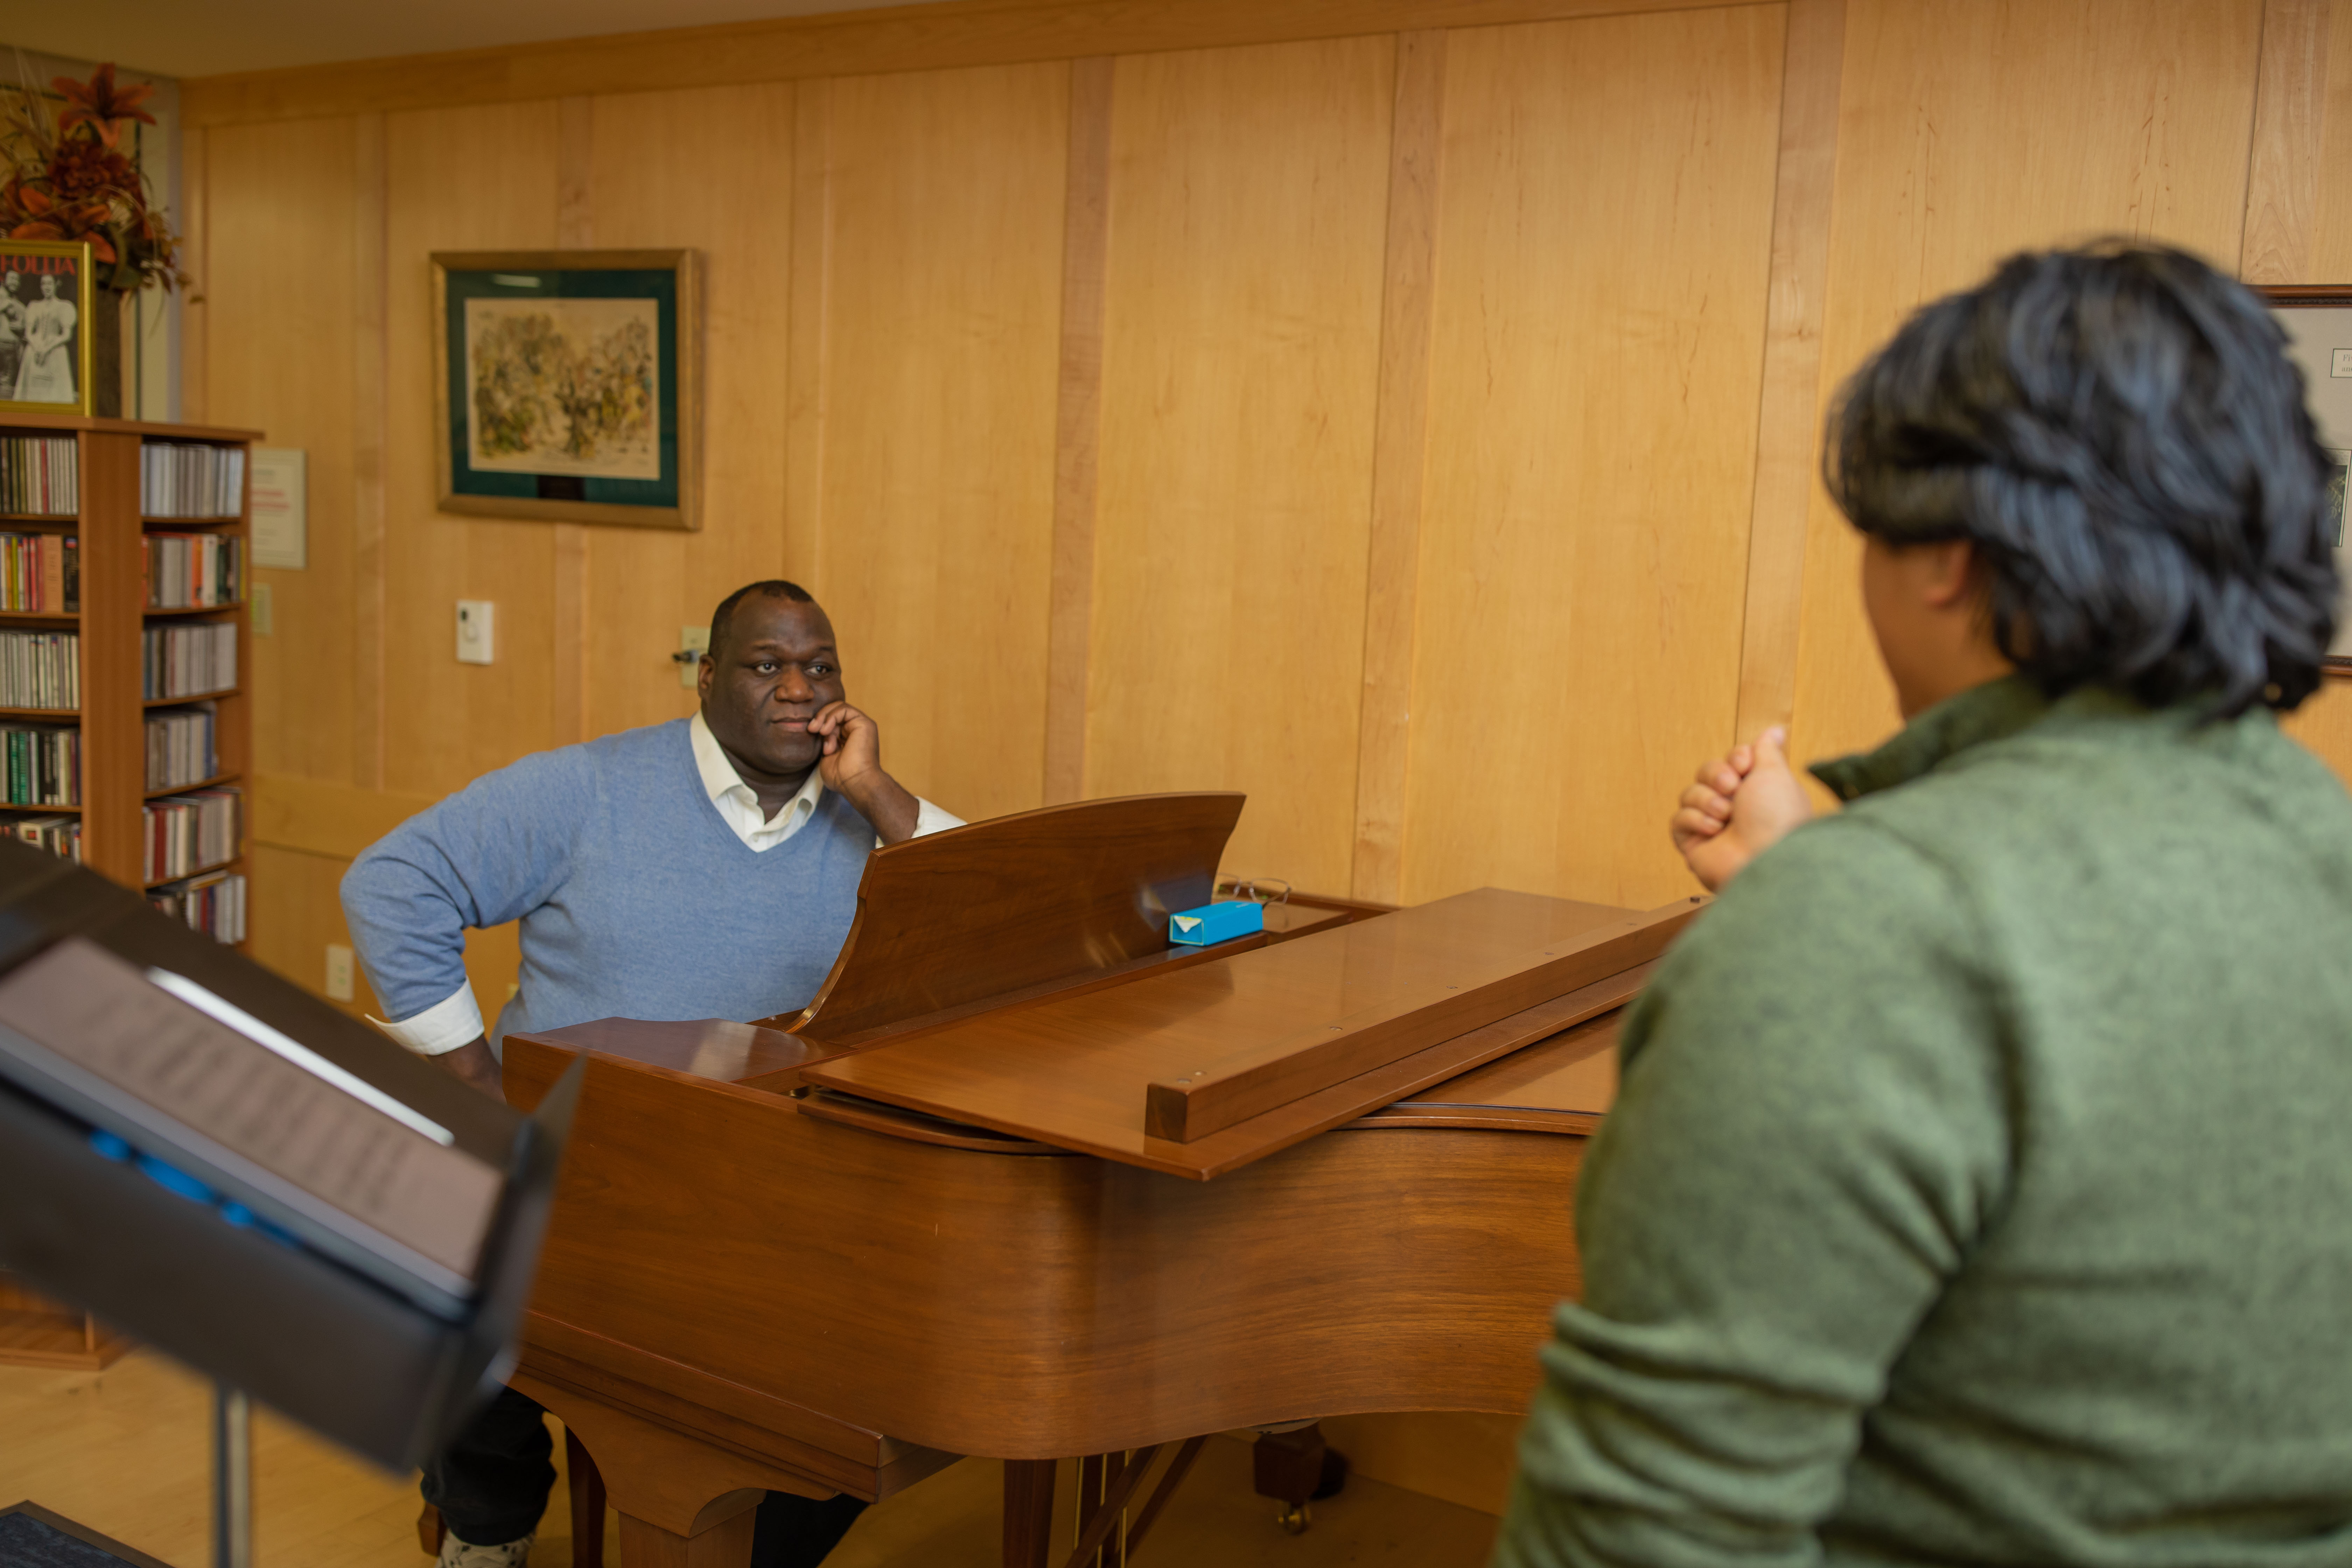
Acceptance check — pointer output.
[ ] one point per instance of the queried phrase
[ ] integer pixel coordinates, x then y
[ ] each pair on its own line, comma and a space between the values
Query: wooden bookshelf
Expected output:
111, 525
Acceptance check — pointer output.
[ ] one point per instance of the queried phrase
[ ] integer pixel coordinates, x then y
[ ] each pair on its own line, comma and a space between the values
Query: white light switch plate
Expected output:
475, 619
339, 972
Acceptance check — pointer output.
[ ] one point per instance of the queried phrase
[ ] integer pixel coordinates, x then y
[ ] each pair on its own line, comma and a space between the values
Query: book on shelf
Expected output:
42, 764
40, 669
187, 479
40, 475
193, 571
180, 748
187, 833
188, 660
212, 904
40, 573
60, 836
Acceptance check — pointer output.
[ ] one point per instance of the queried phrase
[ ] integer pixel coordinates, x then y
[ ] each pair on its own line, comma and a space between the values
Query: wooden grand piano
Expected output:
1024, 1182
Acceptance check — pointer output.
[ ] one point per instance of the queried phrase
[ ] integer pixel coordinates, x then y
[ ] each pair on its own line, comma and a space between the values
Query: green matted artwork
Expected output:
565, 385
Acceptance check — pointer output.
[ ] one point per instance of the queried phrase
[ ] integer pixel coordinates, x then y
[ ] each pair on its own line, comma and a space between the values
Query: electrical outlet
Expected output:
339, 972
265, 612
693, 642
475, 620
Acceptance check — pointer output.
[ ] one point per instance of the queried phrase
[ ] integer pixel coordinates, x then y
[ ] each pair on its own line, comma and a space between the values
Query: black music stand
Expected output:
232, 1171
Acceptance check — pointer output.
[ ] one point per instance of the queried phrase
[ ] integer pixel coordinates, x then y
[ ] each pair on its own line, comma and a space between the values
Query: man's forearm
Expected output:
474, 1063
886, 803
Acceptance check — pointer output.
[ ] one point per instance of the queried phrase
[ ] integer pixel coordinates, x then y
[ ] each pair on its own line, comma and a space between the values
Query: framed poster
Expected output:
47, 293
566, 386
2318, 326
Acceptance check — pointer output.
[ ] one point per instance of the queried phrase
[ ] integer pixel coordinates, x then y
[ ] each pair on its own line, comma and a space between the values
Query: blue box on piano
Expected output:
1216, 922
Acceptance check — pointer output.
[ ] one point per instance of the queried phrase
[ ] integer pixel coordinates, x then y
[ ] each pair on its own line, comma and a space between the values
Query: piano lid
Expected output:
1200, 1070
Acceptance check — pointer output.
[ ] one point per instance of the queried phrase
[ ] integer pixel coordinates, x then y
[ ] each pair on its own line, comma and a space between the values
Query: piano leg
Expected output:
587, 1503
1028, 1512
727, 1545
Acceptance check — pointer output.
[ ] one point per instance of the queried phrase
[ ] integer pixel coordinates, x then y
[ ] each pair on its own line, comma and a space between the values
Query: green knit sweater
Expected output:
1981, 1186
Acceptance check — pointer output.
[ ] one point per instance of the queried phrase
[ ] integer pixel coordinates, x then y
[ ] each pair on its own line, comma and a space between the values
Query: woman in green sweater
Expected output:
1981, 1186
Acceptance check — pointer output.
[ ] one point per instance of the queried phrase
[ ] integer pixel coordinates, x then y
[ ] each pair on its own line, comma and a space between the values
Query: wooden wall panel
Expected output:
707, 171
939, 350
1400, 469
283, 270
2282, 171
1970, 131
1788, 433
459, 179
2327, 142
370, 438
1077, 427
1599, 340
305, 915
1248, 204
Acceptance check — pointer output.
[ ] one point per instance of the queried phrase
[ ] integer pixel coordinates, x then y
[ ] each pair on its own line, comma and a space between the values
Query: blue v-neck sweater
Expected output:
636, 899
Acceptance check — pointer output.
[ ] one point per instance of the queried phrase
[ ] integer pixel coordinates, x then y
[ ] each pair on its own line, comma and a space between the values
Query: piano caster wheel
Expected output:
1295, 1518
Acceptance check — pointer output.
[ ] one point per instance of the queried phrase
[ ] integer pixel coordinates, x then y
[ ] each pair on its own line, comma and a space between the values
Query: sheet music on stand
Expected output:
230, 1170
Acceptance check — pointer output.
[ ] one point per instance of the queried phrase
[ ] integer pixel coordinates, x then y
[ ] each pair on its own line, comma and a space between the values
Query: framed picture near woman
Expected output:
2318, 326
565, 385
45, 293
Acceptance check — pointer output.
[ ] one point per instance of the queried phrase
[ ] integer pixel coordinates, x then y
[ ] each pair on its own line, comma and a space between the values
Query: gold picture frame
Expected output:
567, 385
51, 363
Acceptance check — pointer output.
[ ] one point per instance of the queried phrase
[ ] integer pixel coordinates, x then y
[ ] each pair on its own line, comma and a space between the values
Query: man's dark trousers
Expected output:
491, 1484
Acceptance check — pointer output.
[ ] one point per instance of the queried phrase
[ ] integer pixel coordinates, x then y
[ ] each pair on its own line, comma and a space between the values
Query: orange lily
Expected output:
98, 102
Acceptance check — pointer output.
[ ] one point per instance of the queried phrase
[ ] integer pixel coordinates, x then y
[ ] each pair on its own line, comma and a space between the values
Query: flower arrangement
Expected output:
64, 176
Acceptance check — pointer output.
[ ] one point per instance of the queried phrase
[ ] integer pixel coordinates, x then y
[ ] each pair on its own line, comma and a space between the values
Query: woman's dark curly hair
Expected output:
2119, 433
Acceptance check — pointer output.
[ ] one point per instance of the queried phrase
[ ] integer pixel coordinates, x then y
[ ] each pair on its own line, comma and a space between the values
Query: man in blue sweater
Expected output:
705, 868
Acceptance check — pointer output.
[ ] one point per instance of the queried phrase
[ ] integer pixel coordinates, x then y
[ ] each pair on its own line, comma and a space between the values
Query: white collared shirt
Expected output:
739, 806
456, 1019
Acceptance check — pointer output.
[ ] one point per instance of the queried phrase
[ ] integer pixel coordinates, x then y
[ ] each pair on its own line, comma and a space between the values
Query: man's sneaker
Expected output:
455, 1553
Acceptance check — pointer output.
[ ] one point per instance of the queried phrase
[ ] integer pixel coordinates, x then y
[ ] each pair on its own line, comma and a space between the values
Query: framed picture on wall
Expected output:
566, 386
2318, 326
47, 289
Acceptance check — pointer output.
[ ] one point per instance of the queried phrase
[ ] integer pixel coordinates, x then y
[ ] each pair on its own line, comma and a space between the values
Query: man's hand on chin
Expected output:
1743, 803
474, 1063
851, 766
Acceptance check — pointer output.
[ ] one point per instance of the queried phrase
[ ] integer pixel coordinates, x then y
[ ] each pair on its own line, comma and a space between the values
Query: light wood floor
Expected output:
127, 1452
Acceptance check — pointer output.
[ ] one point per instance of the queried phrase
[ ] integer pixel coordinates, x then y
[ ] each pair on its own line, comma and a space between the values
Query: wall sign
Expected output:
281, 534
